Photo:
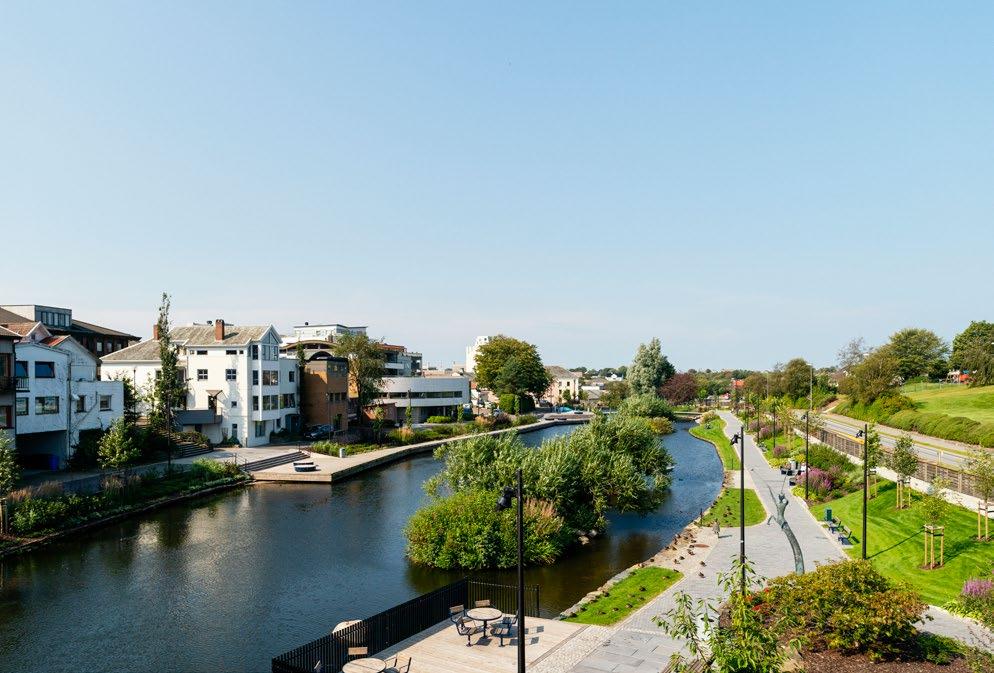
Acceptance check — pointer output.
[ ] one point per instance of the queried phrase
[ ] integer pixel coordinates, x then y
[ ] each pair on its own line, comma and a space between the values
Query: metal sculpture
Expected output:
781, 520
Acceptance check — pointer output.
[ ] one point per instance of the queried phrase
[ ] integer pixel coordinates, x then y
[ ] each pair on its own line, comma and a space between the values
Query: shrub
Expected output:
781, 451
645, 406
848, 606
210, 470
525, 419
198, 438
661, 426
820, 482
765, 432
498, 422
753, 425
439, 419
708, 416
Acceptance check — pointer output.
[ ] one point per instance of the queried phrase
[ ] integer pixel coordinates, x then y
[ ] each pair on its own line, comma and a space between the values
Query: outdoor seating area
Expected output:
839, 529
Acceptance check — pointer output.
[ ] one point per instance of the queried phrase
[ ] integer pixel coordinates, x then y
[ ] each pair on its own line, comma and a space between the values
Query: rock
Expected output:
583, 539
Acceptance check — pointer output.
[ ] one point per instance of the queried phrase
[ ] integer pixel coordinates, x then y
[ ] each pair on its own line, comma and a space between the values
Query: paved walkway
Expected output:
637, 645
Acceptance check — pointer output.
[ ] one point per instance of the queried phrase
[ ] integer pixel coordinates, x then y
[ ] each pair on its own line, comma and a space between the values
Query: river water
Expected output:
227, 582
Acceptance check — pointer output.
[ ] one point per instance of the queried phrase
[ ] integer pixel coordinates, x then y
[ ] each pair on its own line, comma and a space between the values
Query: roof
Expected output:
101, 330
557, 372
54, 341
7, 316
187, 336
20, 328
4, 332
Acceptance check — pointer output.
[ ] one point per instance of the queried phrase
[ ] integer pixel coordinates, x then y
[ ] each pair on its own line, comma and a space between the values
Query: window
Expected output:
234, 403
21, 369
201, 374
231, 351
255, 377
201, 352
270, 402
44, 370
105, 403
279, 423
291, 376
81, 404
270, 378
21, 406
255, 403
289, 400
46, 405
6, 417
234, 430
254, 350
100, 346
260, 428
230, 374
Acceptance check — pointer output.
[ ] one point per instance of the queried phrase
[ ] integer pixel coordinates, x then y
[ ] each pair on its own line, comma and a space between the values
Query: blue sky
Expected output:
746, 181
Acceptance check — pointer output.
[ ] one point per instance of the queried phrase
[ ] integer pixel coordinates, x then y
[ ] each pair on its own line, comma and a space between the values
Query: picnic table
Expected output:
484, 615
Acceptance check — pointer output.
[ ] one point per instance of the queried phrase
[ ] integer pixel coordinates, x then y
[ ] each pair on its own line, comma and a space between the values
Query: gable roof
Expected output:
89, 326
557, 372
190, 336
144, 351
4, 332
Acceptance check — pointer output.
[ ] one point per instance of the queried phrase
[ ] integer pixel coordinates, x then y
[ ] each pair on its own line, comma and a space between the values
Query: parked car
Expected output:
318, 432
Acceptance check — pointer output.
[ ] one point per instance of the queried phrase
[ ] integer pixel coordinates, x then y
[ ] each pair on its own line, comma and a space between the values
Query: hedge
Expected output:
894, 412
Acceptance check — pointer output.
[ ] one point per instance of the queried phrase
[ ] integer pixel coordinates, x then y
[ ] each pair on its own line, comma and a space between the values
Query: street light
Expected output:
740, 438
864, 433
504, 502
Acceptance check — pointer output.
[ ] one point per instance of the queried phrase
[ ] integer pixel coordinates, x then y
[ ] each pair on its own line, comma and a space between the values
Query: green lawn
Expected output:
954, 400
627, 596
896, 546
714, 432
726, 509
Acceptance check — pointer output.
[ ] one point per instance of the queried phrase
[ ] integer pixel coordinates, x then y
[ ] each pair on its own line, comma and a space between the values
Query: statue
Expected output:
782, 503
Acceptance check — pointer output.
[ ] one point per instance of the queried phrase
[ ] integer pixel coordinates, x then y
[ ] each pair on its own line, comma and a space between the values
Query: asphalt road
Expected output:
949, 457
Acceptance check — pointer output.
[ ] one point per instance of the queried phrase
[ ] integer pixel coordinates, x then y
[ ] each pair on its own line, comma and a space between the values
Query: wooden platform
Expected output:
441, 650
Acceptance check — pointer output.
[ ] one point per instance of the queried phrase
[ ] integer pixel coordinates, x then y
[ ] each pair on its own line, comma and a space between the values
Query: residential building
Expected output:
425, 396
472, 351
397, 360
324, 393
58, 396
238, 385
564, 385
7, 397
60, 322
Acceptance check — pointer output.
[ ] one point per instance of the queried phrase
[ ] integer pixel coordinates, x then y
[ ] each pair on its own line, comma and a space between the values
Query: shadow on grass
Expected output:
896, 544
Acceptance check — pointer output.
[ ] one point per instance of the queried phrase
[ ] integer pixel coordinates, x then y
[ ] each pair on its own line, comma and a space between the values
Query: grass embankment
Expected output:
627, 596
726, 509
714, 432
895, 543
953, 400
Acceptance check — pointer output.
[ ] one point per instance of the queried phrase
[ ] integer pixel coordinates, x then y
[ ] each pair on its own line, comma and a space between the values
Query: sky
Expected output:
749, 182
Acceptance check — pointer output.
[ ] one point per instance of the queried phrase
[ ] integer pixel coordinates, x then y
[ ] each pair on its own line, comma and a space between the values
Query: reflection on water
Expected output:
225, 583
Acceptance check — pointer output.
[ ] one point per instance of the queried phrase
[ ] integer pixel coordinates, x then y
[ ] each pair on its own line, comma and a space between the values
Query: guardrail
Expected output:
399, 623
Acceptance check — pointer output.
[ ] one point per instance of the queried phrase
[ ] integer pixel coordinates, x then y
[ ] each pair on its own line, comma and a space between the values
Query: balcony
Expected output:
23, 384
7, 384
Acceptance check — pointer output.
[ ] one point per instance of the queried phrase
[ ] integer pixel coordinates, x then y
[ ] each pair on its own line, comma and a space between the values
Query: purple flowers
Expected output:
820, 481
977, 589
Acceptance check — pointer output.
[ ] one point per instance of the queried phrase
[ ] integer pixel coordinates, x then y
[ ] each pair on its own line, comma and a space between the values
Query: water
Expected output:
226, 583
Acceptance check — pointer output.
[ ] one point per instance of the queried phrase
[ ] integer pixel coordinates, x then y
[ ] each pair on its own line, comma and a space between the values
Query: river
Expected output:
227, 582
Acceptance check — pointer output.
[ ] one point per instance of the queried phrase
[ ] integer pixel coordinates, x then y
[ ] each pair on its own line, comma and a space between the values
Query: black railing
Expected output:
400, 622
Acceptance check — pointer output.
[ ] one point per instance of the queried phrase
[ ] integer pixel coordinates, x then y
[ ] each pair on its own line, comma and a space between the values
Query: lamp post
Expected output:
864, 434
504, 502
740, 438
807, 428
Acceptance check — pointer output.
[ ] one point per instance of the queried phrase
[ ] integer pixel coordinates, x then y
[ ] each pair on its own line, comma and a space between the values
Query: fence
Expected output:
959, 481
399, 623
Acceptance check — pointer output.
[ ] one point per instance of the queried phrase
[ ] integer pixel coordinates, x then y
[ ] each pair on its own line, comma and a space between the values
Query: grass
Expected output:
627, 596
714, 432
726, 509
953, 400
895, 543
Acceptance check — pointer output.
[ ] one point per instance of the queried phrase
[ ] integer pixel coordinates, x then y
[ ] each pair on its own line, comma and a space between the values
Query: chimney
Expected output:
219, 330
155, 331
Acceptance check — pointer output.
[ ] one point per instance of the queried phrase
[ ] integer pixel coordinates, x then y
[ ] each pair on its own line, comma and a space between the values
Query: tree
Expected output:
614, 394
904, 462
981, 468
132, 397
117, 449
933, 508
979, 336
680, 388
650, 369
366, 369
754, 385
508, 365
919, 352
10, 471
169, 389
797, 378
873, 454
852, 353
876, 375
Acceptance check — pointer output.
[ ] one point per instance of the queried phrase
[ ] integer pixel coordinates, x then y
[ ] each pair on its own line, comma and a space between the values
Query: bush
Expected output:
525, 419
708, 416
198, 438
848, 606
765, 432
498, 422
645, 406
439, 419
464, 531
661, 425
210, 470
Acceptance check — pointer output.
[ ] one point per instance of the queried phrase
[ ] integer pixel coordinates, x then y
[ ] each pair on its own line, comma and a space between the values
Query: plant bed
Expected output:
832, 661
627, 596
726, 509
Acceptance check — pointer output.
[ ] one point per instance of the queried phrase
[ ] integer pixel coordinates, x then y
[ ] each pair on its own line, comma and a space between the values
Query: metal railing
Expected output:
23, 384
400, 622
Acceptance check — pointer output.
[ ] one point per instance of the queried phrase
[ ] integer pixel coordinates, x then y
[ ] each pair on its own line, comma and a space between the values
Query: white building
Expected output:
238, 384
58, 396
564, 385
426, 396
323, 332
471, 352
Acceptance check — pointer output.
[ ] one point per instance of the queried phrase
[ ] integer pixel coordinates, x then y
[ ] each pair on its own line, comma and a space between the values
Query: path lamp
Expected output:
504, 502
864, 434
740, 438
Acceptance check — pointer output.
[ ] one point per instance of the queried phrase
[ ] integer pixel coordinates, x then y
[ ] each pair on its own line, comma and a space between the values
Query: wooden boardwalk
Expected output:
441, 650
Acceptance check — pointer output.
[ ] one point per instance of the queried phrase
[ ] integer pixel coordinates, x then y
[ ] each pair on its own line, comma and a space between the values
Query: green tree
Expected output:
169, 388
117, 449
797, 377
875, 376
853, 353
10, 471
919, 352
366, 368
614, 394
650, 369
978, 337
904, 462
508, 365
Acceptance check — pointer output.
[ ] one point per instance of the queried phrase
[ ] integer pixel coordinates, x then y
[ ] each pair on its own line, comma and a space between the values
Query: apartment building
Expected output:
472, 351
238, 385
324, 393
60, 322
424, 396
397, 360
564, 385
57, 396
7, 340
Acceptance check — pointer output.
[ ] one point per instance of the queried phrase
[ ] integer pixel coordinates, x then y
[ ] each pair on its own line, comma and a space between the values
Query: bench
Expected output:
844, 535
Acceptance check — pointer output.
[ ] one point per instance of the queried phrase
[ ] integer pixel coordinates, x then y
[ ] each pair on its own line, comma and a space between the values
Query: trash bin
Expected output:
341, 452
53, 461
828, 514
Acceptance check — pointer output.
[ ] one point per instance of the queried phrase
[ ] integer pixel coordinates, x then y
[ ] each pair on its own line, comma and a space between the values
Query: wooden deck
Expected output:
441, 650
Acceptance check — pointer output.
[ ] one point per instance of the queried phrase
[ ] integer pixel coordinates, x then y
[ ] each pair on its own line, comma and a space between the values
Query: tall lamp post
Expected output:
504, 502
740, 438
807, 428
864, 434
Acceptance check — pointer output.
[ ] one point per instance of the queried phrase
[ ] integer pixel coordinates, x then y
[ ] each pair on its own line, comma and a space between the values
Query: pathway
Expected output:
637, 645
